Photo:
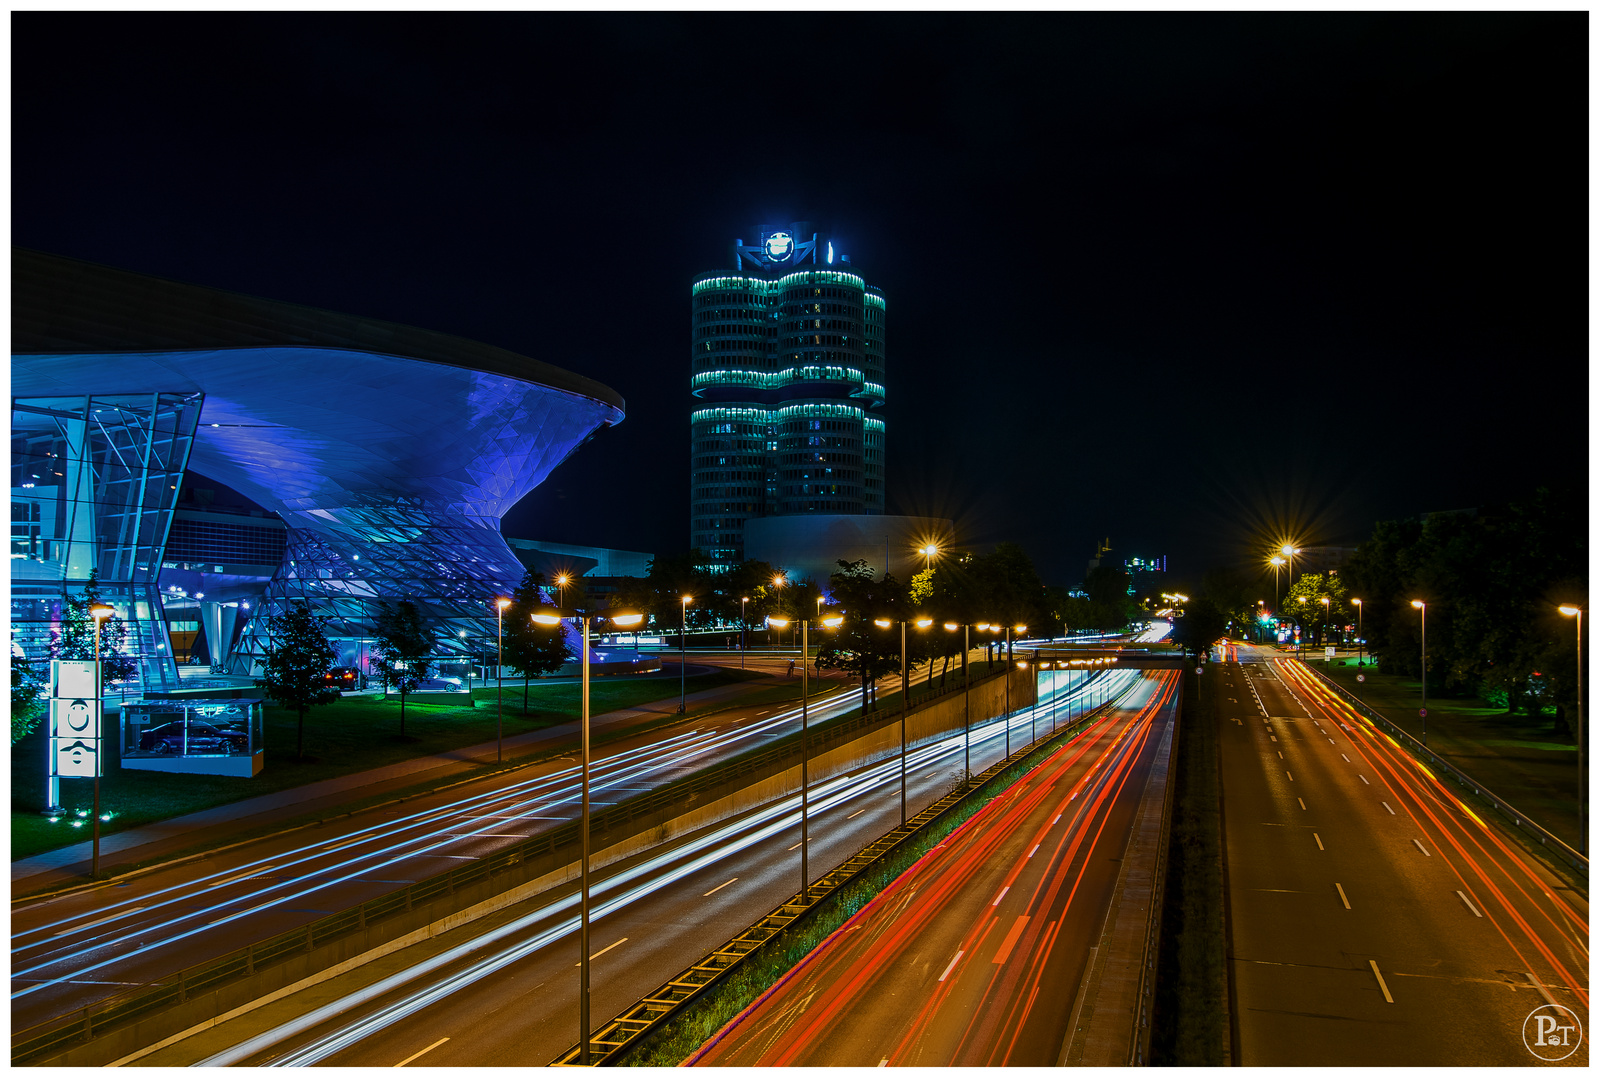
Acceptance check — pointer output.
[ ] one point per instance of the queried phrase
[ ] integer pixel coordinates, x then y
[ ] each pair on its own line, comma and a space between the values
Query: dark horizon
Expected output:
1185, 281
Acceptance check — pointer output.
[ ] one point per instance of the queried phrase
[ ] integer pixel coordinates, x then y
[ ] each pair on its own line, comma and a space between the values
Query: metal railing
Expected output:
1512, 813
95, 1018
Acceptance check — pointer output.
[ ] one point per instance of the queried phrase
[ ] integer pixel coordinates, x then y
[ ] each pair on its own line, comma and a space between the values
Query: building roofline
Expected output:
65, 305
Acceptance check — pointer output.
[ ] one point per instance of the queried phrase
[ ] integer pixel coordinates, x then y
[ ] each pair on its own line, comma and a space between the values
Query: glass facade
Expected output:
94, 481
792, 349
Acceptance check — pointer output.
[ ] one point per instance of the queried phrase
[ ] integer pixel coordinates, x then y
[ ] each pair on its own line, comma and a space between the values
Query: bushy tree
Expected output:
403, 649
295, 673
1202, 624
858, 645
1108, 589
530, 648
76, 638
1304, 602
26, 686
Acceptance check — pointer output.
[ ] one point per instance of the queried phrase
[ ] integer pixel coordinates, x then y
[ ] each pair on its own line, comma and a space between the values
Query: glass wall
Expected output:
93, 484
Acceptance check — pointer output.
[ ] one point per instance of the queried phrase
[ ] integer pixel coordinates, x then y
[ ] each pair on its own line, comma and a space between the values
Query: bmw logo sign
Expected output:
780, 246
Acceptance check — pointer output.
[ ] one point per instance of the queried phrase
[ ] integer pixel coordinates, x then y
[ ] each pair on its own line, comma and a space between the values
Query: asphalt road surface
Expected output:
1374, 918
974, 956
77, 948
502, 992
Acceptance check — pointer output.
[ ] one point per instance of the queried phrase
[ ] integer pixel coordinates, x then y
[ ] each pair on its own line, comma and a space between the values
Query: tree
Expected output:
530, 648
404, 649
76, 638
295, 673
1108, 588
1202, 623
26, 685
1305, 602
868, 651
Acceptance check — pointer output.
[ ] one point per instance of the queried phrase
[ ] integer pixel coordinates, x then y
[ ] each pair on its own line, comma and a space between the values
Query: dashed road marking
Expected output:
1347, 904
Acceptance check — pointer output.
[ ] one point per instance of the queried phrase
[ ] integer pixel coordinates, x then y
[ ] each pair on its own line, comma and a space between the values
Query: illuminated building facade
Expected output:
787, 359
389, 453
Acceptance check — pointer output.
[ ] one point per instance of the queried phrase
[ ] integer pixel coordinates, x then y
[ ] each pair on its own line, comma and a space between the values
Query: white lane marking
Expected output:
1304, 805
231, 916
1419, 846
1363, 778
1381, 980
725, 885
1281, 756
606, 950
1003, 892
241, 877
951, 965
348, 843
97, 922
1056, 819
864, 810
1537, 984
1469, 904
794, 846
1344, 902
421, 1052
1032, 852
1388, 807
1289, 777
1273, 738
883, 1062
1332, 743
1344, 757
1319, 842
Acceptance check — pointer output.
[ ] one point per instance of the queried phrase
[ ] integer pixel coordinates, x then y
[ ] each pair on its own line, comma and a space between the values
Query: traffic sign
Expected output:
1423, 713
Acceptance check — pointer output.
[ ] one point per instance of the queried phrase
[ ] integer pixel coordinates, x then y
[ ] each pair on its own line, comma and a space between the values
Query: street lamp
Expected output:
831, 622
1276, 562
929, 552
1359, 604
743, 600
501, 605
684, 607
561, 589
1579, 702
1423, 672
551, 618
1325, 601
99, 612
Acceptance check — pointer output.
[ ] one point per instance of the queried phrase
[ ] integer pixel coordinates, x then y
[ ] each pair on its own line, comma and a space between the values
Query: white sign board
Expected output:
1329, 652
74, 719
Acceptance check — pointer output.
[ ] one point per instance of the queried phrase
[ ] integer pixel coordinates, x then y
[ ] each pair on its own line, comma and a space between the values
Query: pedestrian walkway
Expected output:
221, 825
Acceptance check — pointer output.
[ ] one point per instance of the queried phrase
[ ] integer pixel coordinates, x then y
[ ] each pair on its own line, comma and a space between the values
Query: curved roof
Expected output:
61, 305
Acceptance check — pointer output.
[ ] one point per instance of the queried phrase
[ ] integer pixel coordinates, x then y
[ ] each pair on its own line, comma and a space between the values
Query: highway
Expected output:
1374, 919
76, 948
502, 992
973, 957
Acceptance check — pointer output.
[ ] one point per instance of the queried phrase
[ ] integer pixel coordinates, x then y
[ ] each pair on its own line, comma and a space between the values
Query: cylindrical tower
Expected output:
788, 355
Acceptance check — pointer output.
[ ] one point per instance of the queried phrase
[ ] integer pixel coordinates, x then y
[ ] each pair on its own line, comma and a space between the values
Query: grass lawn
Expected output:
1515, 755
351, 735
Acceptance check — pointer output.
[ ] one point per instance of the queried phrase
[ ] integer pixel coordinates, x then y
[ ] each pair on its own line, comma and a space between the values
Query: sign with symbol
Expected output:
1198, 671
1360, 678
74, 719
1329, 652
1423, 712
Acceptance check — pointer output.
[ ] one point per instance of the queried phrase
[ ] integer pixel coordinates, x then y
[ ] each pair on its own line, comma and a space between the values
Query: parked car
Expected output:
444, 684
204, 738
345, 678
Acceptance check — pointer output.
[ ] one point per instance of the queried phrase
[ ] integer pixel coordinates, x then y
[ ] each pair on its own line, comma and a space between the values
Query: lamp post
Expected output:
684, 607
99, 612
1579, 707
552, 618
831, 621
1276, 562
500, 609
928, 551
1423, 672
561, 590
1325, 601
1359, 604
743, 600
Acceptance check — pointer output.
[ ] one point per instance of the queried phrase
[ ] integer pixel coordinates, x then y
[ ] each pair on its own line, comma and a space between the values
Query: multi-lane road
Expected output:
654, 915
74, 949
974, 956
1374, 918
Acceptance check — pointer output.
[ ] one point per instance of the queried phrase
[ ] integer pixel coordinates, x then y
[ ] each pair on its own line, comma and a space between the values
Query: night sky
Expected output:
1179, 280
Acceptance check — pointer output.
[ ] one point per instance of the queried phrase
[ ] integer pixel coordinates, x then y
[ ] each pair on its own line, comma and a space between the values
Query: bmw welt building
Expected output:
389, 452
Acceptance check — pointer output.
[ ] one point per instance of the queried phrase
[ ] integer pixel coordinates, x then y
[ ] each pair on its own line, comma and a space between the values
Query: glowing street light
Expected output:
561, 589
501, 604
1359, 605
1423, 671
1578, 614
684, 607
929, 552
100, 613
551, 617
830, 621
743, 601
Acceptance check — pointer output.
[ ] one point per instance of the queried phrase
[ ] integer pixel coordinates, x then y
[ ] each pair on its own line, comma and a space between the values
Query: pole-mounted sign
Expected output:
74, 723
